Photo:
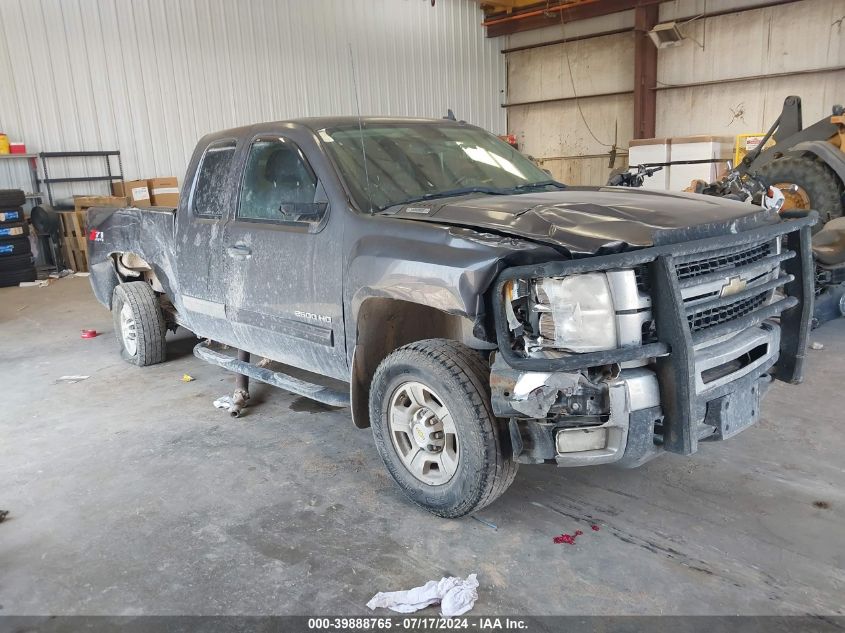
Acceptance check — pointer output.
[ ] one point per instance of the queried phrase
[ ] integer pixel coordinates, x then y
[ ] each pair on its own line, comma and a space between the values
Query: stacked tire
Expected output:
15, 251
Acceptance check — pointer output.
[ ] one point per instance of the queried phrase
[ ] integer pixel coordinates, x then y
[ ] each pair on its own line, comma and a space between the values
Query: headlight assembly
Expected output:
570, 314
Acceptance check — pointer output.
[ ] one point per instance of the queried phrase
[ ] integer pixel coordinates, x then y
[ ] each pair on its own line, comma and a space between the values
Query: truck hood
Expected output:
593, 220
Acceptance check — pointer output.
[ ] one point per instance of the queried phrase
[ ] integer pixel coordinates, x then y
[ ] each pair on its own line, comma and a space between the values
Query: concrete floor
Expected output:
128, 494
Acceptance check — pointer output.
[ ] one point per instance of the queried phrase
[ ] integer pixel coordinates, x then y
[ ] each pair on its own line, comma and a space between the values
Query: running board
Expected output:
320, 393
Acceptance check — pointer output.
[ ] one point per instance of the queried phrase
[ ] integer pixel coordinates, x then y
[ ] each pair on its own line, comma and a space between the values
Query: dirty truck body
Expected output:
475, 313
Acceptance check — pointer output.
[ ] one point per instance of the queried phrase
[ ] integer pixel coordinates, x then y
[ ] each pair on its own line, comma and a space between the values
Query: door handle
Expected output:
239, 251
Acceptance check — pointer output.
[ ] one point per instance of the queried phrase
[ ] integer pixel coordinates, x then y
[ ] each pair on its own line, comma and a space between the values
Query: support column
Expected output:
645, 71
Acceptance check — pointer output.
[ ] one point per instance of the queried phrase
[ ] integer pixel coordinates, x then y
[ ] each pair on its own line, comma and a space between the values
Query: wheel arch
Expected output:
386, 324
127, 266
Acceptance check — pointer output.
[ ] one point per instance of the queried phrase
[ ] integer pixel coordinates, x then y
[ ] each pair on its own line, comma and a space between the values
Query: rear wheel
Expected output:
817, 186
434, 428
138, 323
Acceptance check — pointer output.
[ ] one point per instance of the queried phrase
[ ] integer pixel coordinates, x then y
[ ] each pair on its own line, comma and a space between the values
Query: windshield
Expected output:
409, 162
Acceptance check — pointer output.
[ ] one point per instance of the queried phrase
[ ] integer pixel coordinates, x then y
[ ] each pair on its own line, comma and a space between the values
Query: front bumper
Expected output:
694, 384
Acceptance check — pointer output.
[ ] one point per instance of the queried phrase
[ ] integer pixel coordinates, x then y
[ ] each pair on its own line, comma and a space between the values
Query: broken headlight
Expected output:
573, 314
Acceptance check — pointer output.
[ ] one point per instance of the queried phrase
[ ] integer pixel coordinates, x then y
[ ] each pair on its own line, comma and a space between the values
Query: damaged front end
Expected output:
616, 358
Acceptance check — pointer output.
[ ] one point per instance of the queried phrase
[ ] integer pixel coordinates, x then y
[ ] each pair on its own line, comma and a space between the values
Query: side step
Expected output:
320, 393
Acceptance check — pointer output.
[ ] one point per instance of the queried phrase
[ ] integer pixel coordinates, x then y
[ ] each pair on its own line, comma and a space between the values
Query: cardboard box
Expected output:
83, 202
135, 190
164, 191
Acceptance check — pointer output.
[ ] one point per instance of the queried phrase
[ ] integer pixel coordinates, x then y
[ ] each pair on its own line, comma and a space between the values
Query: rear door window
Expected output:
209, 193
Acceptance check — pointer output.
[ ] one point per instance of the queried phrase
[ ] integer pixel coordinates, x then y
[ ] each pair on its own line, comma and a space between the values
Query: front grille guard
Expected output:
675, 340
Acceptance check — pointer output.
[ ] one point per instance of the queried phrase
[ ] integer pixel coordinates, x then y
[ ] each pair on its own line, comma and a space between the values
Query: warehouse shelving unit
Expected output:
109, 176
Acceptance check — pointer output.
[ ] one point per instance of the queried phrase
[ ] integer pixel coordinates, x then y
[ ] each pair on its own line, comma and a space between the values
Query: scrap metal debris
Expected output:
234, 404
485, 522
72, 379
455, 595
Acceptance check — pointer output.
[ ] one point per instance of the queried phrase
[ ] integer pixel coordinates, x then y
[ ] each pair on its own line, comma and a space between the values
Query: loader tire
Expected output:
818, 186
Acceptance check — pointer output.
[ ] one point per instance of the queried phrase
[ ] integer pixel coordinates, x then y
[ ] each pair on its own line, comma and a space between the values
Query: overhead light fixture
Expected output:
666, 35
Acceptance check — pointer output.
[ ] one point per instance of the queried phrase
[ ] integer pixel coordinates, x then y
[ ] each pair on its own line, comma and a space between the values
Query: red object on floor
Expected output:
89, 333
564, 538
569, 539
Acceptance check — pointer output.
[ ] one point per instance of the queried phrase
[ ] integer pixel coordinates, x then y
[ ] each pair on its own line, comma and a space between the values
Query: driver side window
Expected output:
280, 186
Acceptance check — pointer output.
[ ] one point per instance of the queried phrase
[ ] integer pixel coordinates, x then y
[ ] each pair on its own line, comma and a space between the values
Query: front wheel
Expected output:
434, 428
138, 323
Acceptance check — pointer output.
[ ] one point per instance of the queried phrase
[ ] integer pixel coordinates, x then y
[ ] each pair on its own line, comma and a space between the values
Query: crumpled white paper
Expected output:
455, 595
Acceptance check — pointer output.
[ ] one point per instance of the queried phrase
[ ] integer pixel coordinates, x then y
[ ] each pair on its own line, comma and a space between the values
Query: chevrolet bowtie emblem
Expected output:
735, 285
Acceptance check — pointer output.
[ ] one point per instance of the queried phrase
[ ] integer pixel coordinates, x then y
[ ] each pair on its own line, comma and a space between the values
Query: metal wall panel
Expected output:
149, 77
792, 37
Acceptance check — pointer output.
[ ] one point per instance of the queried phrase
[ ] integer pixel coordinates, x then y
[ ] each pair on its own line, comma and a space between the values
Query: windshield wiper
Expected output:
449, 193
533, 185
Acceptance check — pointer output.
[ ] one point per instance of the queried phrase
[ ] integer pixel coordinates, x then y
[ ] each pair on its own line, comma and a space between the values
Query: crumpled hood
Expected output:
590, 220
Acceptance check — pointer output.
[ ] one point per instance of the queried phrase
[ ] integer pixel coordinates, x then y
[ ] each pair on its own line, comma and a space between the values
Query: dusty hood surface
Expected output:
588, 220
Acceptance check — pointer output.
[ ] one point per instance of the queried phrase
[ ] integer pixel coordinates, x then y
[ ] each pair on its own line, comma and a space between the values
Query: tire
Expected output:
10, 198
142, 322
15, 262
8, 216
7, 230
820, 183
11, 246
14, 277
457, 376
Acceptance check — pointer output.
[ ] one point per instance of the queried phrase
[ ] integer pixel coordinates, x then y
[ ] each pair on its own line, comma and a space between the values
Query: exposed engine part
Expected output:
239, 400
241, 395
537, 395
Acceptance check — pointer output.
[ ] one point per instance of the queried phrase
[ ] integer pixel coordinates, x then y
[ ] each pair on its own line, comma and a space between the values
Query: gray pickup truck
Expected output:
476, 313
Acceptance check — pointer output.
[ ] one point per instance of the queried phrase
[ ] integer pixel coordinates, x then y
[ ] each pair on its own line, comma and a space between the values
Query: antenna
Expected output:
360, 126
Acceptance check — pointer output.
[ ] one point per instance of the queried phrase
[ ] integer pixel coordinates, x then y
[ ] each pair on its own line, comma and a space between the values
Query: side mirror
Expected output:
303, 211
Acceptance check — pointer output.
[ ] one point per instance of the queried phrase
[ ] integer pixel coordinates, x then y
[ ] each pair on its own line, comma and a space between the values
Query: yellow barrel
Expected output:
4, 144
